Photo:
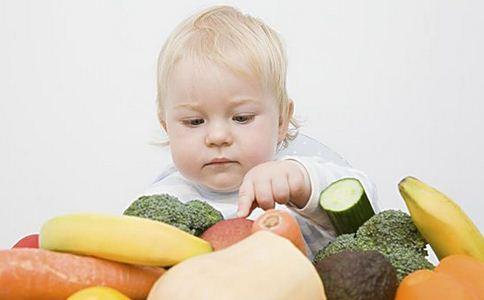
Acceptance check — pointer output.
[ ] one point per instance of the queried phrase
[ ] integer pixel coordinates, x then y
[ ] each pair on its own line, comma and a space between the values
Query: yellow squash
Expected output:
121, 238
261, 266
441, 221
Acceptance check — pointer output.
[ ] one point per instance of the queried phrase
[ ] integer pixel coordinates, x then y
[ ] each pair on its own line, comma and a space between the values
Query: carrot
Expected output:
281, 223
27, 273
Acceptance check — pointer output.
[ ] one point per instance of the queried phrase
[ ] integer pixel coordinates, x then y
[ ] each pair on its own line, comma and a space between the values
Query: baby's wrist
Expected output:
301, 199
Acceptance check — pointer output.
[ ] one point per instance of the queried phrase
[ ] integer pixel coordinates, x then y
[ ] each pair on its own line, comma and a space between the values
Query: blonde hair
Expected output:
224, 35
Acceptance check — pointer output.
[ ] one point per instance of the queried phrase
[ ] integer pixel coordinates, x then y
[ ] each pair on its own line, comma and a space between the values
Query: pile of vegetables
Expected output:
391, 233
161, 248
401, 240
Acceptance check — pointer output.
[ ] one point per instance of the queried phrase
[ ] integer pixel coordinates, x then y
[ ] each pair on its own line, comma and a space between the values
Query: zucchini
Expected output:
346, 204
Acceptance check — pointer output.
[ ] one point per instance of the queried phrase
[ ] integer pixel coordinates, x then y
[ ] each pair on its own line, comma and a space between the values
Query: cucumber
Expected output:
346, 204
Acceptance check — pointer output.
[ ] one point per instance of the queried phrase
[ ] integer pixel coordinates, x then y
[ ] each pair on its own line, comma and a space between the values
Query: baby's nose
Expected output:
219, 135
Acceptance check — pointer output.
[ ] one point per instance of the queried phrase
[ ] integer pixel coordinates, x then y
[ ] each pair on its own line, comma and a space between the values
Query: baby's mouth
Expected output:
220, 162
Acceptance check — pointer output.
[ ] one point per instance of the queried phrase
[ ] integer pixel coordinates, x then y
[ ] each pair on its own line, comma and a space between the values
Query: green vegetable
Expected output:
202, 216
407, 261
393, 234
346, 204
342, 242
164, 208
390, 229
358, 275
194, 217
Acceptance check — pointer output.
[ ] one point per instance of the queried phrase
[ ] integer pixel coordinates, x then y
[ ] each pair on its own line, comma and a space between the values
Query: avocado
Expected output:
358, 275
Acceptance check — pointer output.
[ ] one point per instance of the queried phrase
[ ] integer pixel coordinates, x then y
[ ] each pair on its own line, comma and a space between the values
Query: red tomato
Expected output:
29, 241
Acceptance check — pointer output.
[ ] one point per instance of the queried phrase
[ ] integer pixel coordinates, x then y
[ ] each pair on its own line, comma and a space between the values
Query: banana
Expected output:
125, 239
441, 221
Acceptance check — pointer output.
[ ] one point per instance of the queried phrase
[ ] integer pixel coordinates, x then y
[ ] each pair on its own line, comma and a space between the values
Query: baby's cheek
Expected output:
184, 159
262, 148
258, 154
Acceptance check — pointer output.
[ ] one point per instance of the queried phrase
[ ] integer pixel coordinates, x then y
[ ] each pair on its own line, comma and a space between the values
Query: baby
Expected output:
223, 104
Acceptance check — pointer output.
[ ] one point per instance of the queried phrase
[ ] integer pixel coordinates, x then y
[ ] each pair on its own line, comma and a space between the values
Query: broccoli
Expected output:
389, 229
407, 261
393, 234
193, 217
342, 242
164, 208
202, 216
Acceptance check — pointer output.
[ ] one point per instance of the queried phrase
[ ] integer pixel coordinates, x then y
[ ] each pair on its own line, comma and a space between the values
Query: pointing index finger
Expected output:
246, 197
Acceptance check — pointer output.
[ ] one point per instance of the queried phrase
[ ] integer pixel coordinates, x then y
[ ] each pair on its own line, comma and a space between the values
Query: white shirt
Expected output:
323, 166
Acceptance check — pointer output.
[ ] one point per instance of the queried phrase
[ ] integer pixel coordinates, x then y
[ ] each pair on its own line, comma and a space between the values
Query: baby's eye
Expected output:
243, 119
193, 122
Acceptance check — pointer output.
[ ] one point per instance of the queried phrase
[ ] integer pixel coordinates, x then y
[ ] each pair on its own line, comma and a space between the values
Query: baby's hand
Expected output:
271, 182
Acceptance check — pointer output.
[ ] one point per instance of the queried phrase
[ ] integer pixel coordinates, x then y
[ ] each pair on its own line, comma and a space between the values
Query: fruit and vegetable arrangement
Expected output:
161, 248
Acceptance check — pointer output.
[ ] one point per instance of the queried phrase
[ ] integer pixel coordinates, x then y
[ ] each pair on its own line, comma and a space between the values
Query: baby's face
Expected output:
220, 125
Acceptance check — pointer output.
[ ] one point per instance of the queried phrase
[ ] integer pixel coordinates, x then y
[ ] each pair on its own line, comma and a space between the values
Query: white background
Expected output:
396, 87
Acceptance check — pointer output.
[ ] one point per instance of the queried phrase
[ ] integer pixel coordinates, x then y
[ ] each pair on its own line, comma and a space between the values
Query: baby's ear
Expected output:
284, 121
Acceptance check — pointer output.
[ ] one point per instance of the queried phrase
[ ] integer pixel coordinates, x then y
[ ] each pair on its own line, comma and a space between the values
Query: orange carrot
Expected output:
27, 273
281, 223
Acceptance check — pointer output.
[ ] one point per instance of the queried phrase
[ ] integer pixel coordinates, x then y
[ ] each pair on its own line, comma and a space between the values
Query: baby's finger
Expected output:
246, 197
263, 194
280, 189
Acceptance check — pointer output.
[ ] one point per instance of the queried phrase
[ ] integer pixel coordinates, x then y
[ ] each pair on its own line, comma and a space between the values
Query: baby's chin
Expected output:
222, 187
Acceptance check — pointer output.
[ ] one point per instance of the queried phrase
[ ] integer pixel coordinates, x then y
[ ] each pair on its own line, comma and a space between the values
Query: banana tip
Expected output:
405, 180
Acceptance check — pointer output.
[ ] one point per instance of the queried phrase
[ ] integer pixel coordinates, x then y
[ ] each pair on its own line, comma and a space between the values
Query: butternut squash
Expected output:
262, 266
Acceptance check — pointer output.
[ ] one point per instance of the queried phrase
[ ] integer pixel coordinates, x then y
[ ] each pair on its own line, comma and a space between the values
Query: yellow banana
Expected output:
125, 239
441, 221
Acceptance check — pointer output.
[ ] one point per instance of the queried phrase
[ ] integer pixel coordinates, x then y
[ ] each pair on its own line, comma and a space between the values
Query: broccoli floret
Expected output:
164, 208
393, 234
202, 216
407, 261
341, 243
389, 229
193, 217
